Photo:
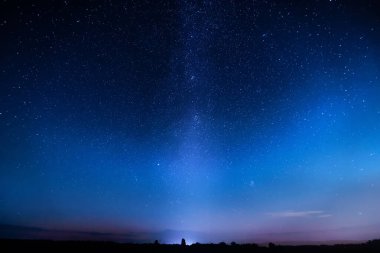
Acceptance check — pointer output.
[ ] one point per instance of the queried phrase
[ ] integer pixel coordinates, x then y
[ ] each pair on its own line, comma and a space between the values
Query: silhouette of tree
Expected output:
271, 245
374, 243
183, 242
222, 243
156, 242
233, 244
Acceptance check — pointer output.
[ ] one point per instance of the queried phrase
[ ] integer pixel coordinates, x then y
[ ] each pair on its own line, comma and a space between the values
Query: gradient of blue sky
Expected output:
242, 121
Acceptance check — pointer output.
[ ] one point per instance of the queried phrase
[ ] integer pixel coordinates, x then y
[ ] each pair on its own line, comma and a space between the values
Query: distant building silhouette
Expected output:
183, 242
156, 242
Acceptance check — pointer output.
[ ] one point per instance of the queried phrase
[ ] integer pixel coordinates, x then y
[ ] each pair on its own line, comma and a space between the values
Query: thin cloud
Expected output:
299, 214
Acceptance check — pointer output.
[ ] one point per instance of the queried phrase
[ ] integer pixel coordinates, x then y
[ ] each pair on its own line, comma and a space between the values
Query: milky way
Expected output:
215, 121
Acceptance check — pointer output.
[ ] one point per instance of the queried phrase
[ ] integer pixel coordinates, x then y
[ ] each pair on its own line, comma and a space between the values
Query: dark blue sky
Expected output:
228, 120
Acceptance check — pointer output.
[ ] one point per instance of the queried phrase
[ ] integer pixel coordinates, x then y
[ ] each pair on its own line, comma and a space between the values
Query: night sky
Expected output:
210, 120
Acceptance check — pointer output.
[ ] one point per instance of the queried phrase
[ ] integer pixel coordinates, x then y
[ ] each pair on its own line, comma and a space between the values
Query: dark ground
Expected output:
77, 246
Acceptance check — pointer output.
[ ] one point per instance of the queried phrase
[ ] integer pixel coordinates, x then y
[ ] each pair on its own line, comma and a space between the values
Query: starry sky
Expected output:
210, 120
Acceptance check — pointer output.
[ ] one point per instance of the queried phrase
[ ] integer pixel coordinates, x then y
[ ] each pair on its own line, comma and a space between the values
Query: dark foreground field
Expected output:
76, 246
